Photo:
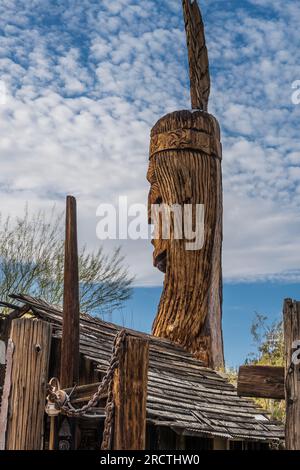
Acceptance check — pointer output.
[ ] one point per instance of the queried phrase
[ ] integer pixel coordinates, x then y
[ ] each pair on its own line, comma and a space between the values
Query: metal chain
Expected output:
66, 407
109, 420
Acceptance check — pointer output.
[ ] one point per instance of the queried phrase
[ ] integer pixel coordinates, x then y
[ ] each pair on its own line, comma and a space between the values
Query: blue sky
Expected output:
241, 303
86, 80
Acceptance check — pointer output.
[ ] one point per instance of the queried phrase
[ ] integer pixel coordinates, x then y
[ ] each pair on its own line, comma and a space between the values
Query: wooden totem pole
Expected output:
185, 169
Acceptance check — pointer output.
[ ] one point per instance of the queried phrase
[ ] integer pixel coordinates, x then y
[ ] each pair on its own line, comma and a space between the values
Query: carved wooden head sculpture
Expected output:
185, 170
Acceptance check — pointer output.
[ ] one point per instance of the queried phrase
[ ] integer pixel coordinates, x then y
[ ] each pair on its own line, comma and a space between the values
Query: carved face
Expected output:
155, 197
173, 183
182, 146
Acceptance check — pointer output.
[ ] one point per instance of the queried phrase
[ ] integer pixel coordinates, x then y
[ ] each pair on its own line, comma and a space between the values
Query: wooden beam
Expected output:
29, 377
130, 395
261, 382
83, 393
69, 369
291, 318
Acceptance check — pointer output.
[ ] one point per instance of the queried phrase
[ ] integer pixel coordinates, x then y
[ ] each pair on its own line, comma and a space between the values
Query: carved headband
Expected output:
189, 139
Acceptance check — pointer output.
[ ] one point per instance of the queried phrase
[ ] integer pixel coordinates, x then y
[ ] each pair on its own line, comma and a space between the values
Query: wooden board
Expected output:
261, 382
25, 425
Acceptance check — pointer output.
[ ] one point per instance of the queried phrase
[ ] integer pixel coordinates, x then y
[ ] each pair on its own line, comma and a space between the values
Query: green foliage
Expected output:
231, 375
269, 342
32, 261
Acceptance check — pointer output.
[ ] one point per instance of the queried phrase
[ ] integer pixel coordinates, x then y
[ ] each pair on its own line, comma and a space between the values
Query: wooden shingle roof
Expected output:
182, 393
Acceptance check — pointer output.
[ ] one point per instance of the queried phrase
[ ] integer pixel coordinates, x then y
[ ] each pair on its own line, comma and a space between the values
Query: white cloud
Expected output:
87, 80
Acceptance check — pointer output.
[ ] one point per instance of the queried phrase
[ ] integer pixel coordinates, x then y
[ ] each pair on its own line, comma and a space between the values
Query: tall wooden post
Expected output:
291, 314
29, 377
69, 366
130, 395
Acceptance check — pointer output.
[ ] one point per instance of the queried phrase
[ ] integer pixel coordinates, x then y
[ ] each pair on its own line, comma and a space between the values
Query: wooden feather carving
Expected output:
197, 53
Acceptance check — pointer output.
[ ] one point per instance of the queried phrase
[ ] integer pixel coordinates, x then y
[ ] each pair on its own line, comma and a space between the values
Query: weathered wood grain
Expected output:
197, 54
291, 318
69, 370
6, 393
25, 426
130, 395
5, 325
180, 173
261, 382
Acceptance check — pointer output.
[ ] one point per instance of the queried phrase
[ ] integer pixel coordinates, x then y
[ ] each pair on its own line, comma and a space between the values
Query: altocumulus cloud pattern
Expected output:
86, 80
